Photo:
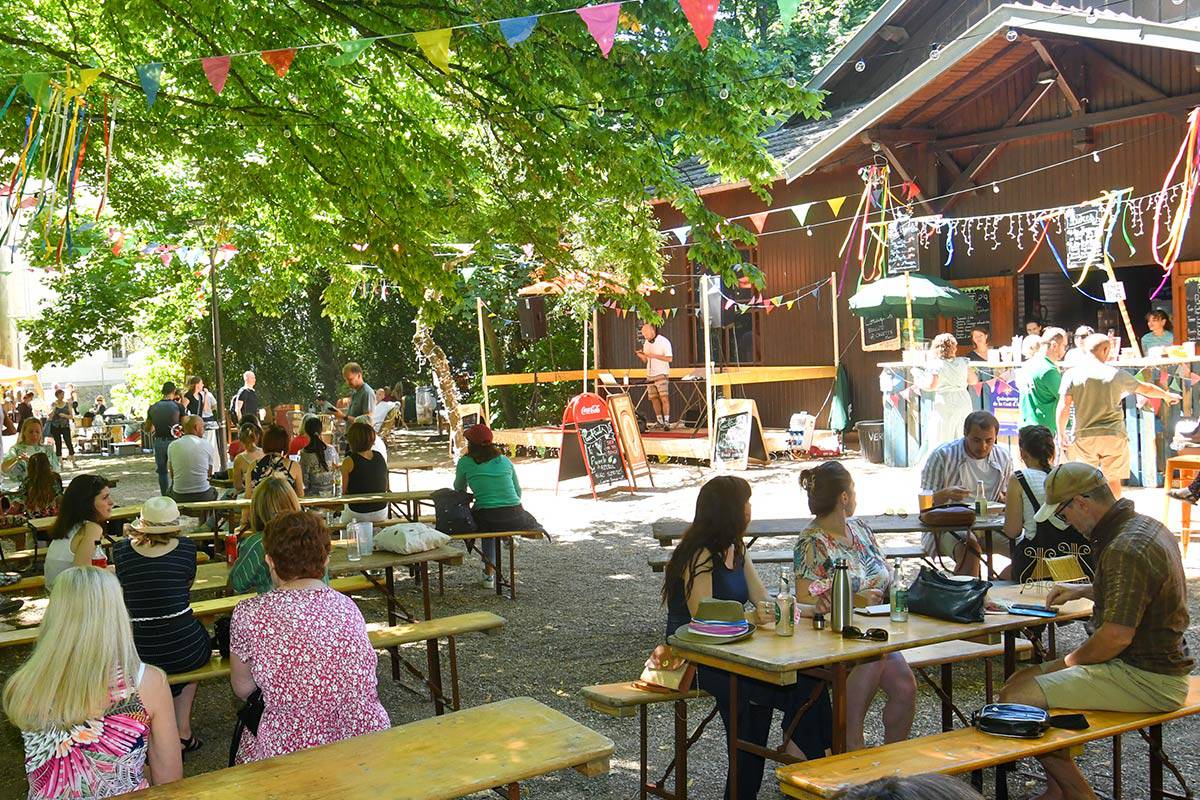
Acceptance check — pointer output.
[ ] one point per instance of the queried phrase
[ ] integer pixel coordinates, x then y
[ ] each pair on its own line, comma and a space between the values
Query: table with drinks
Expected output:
777, 654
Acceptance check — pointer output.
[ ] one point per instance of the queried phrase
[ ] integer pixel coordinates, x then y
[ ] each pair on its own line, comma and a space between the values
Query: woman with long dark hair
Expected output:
318, 461
711, 561
79, 526
497, 492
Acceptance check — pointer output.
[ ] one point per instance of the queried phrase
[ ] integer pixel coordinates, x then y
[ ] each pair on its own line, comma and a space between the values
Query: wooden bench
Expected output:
509, 538
659, 558
625, 699
473, 750
966, 750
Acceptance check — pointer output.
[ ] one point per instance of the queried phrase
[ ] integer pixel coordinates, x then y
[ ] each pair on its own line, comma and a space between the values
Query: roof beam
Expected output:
986, 90
900, 135
906, 174
953, 87
1122, 75
1075, 99
1112, 116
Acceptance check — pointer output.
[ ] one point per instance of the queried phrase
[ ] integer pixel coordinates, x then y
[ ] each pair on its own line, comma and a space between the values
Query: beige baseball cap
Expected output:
1066, 481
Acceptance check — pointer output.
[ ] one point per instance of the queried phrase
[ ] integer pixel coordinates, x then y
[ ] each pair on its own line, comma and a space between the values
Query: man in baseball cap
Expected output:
1136, 659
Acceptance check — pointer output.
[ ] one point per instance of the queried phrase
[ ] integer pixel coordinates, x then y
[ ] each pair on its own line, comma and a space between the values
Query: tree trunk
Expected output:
498, 362
429, 351
327, 370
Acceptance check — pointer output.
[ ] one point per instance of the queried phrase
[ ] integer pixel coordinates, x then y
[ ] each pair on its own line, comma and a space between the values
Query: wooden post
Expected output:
708, 399
585, 353
487, 412
837, 347
595, 338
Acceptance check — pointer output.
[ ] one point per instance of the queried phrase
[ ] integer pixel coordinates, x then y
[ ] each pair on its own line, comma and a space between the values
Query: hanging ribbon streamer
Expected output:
1063, 267
1167, 248
110, 128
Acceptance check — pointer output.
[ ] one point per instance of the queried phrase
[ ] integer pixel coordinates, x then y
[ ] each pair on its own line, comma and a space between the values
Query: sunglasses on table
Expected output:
870, 634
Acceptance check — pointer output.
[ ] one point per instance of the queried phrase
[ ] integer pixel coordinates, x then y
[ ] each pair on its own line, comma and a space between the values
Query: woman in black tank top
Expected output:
364, 472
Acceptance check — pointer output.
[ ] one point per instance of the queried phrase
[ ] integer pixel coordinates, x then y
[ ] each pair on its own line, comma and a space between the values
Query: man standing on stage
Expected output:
656, 355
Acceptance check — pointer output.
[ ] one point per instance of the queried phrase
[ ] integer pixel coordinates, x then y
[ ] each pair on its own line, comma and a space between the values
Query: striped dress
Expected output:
157, 594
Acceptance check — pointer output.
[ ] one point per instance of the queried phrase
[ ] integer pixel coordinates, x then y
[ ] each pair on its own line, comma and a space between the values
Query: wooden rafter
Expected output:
1072, 94
1122, 75
952, 87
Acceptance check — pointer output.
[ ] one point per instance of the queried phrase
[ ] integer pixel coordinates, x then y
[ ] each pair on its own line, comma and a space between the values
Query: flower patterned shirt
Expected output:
98, 758
816, 551
309, 653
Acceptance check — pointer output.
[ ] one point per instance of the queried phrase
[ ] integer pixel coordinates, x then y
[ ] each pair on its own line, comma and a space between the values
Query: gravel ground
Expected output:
588, 612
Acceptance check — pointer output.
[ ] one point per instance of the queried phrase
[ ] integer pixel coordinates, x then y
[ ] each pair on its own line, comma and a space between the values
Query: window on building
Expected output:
736, 336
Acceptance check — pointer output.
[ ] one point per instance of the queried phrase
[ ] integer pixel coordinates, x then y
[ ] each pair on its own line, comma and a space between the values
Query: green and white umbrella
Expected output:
929, 297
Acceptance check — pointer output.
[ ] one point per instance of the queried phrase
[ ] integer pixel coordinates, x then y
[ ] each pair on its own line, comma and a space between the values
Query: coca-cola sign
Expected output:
586, 408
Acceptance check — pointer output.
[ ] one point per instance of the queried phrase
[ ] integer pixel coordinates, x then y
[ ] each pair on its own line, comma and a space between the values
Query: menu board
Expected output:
601, 452
737, 434
982, 295
903, 237
1084, 237
1191, 308
880, 334
620, 407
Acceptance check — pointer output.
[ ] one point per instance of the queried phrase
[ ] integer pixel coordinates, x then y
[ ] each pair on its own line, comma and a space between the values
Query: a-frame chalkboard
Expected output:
737, 435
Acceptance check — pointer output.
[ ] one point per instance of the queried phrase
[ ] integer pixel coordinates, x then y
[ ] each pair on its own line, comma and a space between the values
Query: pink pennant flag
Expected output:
728, 304
701, 14
978, 387
992, 384
216, 69
28, 202
601, 23
759, 221
279, 60
166, 257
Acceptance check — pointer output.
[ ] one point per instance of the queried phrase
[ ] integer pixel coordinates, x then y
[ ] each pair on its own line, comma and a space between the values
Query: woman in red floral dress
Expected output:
305, 646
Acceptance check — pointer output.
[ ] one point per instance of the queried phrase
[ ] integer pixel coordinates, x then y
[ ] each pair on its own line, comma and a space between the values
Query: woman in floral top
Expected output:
834, 535
30, 440
95, 740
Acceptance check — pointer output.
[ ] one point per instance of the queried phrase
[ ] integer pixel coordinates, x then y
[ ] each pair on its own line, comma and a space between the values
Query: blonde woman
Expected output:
91, 714
248, 436
156, 569
946, 378
272, 497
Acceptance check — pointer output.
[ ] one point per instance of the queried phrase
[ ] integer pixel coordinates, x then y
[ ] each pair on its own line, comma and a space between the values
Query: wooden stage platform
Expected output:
674, 444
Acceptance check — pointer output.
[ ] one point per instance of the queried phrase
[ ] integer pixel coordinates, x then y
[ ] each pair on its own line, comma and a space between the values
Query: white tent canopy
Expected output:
10, 376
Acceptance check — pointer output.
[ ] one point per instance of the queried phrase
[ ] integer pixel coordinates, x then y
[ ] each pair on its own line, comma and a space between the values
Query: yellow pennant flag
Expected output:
436, 46
835, 205
87, 77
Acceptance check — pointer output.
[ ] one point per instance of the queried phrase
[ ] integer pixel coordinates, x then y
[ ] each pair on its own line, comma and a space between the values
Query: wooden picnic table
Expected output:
454, 755
825, 654
405, 466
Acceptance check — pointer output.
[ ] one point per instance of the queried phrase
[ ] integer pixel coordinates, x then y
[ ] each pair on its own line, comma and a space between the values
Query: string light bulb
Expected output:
724, 93
1012, 35
808, 231
539, 116
791, 82
995, 188
1092, 16
672, 290
1096, 156
935, 52
658, 102
600, 111
860, 65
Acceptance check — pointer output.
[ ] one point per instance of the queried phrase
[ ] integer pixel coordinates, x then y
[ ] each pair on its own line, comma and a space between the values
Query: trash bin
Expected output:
870, 437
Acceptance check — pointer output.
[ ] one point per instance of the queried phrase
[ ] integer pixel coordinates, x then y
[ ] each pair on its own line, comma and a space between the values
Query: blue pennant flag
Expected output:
517, 29
150, 76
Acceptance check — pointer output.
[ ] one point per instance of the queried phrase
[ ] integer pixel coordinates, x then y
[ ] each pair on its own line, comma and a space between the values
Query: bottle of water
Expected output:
841, 604
981, 501
785, 604
899, 597
353, 553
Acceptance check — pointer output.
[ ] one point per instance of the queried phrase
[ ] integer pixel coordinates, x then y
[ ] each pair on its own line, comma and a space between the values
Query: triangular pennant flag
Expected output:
119, 244
279, 60
150, 76
911, 190
681, 233
166, 257
436, 46
87, 77
728, 304
28, 202
631, 22
801, 212
777, 300
835, 204
787, 10
467, 272
700, 14
601, 23
517, 29
351, 49
38, 86
759, 220
978, 387
216, 69
790, 303
876, 197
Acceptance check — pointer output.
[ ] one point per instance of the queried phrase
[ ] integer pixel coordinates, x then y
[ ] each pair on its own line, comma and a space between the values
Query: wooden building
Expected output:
976, 100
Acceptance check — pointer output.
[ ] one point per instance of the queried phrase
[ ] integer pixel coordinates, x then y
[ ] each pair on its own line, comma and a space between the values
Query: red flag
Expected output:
119, 244
911, 190
759, 221
280, 60
701, 14
216, 69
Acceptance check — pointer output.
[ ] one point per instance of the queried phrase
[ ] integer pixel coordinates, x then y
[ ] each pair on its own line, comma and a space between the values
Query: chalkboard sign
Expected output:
1084, 237
982, 295
903, 238
737, 434
1191, 308
600, 449
880, 334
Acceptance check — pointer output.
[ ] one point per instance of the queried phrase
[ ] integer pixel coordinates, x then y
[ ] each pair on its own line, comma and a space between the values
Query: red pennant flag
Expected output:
701, 14
279, 60
216, 69
166, 257
911, 190
119, 244
759, 221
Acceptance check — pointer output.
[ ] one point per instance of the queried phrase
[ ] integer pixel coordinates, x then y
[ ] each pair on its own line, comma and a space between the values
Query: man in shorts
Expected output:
1094, 389
1137, 659
656, 355
952, 472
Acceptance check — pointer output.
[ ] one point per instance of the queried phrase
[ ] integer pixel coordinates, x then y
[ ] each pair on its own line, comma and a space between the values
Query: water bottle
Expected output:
352, 542
899, 597
981, 501
785, 605
840, 603
366, 538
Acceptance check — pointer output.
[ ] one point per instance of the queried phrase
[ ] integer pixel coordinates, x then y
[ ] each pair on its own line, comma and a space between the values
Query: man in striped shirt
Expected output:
952, 472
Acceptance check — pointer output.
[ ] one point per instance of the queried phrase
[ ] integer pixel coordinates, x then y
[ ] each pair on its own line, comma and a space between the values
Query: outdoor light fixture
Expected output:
539, 116
935, 52
808, 231
995, 188
875, 147
658, 102
791, 82
724, 93
1012, 35
1096, 156
860, 65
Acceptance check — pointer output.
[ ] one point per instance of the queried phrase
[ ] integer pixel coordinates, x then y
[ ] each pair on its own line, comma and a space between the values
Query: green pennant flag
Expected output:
350, 51
38, 86
787, 10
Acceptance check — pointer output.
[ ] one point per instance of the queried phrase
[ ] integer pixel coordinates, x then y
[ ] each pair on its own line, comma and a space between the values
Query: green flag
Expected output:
787, 10
350, 51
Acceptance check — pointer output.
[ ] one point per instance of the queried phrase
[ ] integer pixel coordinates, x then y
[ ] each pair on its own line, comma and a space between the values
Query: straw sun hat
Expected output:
159, 515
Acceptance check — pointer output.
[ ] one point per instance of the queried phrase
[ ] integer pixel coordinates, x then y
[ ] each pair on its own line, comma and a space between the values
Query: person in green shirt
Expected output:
493, 482
250, 573
1039, 380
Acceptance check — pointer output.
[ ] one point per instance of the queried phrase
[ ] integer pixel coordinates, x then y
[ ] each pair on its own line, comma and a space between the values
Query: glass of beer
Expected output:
925, 499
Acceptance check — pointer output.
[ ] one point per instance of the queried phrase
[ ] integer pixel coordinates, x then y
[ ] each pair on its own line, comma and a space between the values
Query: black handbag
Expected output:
248, 717
935, 595
453, 512
1017, 721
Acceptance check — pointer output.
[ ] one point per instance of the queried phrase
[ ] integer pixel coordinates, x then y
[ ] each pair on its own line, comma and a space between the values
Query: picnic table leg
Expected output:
642, 770
514, 791
1116, 748
394, 652
1156, 764
433, 658
838, 691
989, 557
948, 697
512, 566
733, 735
681, 749
499, 567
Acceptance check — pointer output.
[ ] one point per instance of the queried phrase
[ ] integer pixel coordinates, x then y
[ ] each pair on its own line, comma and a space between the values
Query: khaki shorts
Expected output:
659, 386
1108, 452
943, 543
1113, 686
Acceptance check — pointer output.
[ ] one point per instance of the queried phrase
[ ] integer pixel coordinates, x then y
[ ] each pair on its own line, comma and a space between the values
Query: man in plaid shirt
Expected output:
1137, 659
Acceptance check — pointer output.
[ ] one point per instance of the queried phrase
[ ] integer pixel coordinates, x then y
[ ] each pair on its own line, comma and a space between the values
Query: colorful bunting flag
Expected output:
759, 221
835, 204
467, 272
38, 86
150, 77
728, 304
216, 69
801, 212
87, 77
601, 23
436, 46
517, 29
351, 49
280, 60
787, 11
681, 233
701, 14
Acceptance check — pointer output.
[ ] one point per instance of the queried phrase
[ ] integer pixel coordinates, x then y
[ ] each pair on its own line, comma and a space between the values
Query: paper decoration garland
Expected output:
150, 77
801, 212
1166, 250
517, 29
759, 221
279, 60
601, 23
216, 69
701, 14
436, 47
351, 49
835, 204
